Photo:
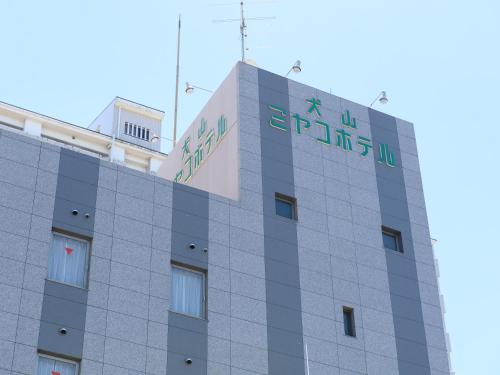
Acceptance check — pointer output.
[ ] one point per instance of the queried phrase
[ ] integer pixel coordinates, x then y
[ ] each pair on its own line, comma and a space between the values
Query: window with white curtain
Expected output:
68, 260
54, 366
187, 292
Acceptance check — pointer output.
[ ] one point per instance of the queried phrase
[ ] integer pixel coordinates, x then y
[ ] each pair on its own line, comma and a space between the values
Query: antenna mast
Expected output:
243, 26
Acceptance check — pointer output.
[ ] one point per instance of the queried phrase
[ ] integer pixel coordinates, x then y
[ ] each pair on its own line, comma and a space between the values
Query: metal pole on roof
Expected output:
242, 32
307, 359
177, 82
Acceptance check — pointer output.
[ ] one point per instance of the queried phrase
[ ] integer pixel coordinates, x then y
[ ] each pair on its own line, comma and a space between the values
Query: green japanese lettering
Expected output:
314, 106
347, 120
278, 120
198, 156
201, 129
189, 164
366, 145
208, 141
343, 140
221, 127
298, 121
185, 147
325, 140
386, 156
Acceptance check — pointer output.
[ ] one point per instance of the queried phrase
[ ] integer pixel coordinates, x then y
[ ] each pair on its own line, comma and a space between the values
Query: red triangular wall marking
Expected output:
56, 373
69, 250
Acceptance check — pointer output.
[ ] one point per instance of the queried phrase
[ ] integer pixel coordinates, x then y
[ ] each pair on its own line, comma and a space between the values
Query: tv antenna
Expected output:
243, 26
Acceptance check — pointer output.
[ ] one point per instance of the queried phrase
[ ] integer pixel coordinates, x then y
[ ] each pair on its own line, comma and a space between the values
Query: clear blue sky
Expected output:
439, 62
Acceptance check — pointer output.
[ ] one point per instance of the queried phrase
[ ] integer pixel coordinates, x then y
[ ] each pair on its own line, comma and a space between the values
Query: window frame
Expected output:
287, 199
87, 259
137, 131
396, 235
59, 359
346, 310
204, 289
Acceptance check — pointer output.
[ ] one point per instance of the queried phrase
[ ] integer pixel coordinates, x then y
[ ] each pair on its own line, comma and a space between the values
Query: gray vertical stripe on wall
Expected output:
76, 189
65, 306
402, 270
188, 336
283, 299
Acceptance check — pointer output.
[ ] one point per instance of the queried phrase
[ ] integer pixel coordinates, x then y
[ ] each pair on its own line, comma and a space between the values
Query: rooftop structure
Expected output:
105, 138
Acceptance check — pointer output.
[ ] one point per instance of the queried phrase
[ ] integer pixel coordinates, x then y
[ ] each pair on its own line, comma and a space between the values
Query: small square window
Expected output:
188, 291
286, 206
68, 259
392, 239
349, 329
48, 365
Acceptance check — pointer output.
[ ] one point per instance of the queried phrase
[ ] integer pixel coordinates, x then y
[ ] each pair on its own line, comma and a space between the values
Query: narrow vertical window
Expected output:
286, 206
55, 366
143, 133
126, 127
188, 292
135, 130
391, 239
68, 260
147, 135
349, 329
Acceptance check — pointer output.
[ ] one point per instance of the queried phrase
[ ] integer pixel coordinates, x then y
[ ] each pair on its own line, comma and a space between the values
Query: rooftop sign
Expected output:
205, 143
343, 136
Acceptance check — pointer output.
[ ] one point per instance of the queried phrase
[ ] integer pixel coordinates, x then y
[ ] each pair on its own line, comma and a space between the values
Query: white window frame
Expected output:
203, 289
77, 364
87, 261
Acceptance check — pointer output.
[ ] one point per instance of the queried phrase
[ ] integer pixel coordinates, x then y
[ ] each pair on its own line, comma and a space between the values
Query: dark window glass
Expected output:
349, 322
285, 206
392, 239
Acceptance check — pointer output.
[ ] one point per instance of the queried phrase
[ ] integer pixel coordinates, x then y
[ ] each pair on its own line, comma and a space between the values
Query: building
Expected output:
294, 240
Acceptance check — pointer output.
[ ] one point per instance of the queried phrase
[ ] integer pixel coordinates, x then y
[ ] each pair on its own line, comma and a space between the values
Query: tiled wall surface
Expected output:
274, 288
341, 203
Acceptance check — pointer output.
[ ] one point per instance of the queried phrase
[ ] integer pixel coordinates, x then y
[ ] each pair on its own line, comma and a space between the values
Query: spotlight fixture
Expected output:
296, 68
382, 98
190, 88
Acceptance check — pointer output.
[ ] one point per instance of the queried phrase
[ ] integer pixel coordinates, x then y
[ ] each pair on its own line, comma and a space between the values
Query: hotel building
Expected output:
285, 234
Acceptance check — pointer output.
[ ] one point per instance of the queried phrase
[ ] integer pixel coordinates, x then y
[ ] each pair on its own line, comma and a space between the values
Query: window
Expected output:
392, 239
349, 321
188, 291
68, 260
55, 366
286, 206
136, 131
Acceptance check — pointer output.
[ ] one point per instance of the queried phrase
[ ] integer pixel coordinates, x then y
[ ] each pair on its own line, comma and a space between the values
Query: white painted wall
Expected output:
219, 172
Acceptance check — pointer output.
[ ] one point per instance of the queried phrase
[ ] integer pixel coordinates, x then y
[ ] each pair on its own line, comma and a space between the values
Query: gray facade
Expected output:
275, 288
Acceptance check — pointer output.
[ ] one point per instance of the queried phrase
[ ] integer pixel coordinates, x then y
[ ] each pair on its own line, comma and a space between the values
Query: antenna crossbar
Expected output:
243, 26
